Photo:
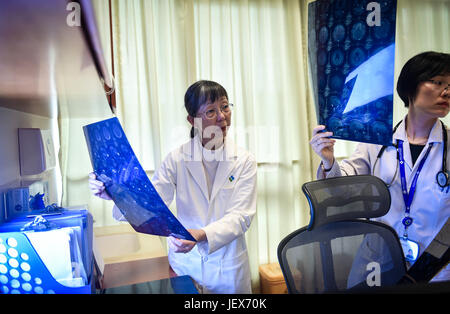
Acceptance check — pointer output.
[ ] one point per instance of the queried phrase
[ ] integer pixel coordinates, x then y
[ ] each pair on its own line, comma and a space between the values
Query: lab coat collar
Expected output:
400, 134
192, 155
225, 168
435, 134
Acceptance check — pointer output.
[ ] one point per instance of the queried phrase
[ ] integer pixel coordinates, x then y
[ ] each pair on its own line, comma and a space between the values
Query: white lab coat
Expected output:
221, 264
431, 205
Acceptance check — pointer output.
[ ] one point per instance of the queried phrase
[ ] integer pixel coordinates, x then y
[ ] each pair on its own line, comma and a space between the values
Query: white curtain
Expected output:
257, 49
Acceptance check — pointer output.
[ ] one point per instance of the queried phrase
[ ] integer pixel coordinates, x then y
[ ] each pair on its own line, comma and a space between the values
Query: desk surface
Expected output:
138, 271
145, 276
174, 285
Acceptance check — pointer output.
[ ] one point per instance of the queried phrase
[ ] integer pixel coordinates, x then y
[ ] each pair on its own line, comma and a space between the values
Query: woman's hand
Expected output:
323, 145
184, 246
98, 187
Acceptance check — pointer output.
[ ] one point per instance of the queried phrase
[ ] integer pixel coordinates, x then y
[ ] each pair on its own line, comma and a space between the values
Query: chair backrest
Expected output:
341, 249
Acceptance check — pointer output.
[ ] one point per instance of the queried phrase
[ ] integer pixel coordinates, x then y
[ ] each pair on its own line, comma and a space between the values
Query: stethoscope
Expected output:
442, 177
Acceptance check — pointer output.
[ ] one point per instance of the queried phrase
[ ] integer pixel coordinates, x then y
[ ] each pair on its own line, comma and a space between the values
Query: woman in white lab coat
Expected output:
423, 85
214, 182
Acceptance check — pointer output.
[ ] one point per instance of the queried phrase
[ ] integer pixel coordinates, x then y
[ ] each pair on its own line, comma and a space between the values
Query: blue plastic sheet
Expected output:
43, 270
351, 47
116, 165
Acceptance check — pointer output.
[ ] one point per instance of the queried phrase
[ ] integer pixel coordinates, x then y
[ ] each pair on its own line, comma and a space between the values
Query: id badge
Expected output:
410, 249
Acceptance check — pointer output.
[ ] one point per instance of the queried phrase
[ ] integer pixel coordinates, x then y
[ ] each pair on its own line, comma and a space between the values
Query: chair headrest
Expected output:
346, 197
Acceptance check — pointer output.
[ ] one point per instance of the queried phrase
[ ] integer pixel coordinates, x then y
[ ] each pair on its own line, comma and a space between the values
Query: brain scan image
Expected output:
351, 46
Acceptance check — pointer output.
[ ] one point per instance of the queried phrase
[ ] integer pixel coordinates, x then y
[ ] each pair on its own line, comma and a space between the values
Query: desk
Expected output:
138, 271
145, 276
174, 285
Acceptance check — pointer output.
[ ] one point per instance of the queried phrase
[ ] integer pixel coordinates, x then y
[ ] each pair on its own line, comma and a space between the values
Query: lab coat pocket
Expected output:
442, 193
235, 274
440, 197
230, 183
225, 194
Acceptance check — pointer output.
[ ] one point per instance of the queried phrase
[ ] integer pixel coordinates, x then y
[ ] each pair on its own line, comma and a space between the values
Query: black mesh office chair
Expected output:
340, 249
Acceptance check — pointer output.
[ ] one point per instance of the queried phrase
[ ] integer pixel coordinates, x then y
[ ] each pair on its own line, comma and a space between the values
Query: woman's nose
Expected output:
446, 92
220, 115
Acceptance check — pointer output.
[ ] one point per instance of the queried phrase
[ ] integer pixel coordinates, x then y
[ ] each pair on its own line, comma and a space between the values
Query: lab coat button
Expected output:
205, 258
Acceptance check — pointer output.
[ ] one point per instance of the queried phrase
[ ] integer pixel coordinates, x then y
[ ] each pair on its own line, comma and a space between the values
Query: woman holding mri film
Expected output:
416, 166
214, 182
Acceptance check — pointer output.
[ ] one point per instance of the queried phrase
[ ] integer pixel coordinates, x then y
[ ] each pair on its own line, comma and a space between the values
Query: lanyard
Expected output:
408, 197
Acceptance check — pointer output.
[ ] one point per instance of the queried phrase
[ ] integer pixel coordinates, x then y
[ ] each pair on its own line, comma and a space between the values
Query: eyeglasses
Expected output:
212, 113
440, 85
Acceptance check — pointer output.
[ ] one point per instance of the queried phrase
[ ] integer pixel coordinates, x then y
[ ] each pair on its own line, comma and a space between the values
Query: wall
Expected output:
10, 121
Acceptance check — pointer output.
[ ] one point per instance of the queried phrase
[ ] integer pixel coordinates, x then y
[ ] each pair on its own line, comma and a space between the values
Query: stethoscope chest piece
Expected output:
442, 179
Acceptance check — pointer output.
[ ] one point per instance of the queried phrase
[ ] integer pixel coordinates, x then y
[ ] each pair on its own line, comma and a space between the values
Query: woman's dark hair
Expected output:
418, 69
199, 93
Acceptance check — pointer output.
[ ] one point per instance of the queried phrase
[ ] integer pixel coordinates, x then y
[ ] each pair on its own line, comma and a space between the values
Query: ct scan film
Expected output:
351, 55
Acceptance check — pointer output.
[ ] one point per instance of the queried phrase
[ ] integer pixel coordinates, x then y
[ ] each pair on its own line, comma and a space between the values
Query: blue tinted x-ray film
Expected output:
351, 47
116, 165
